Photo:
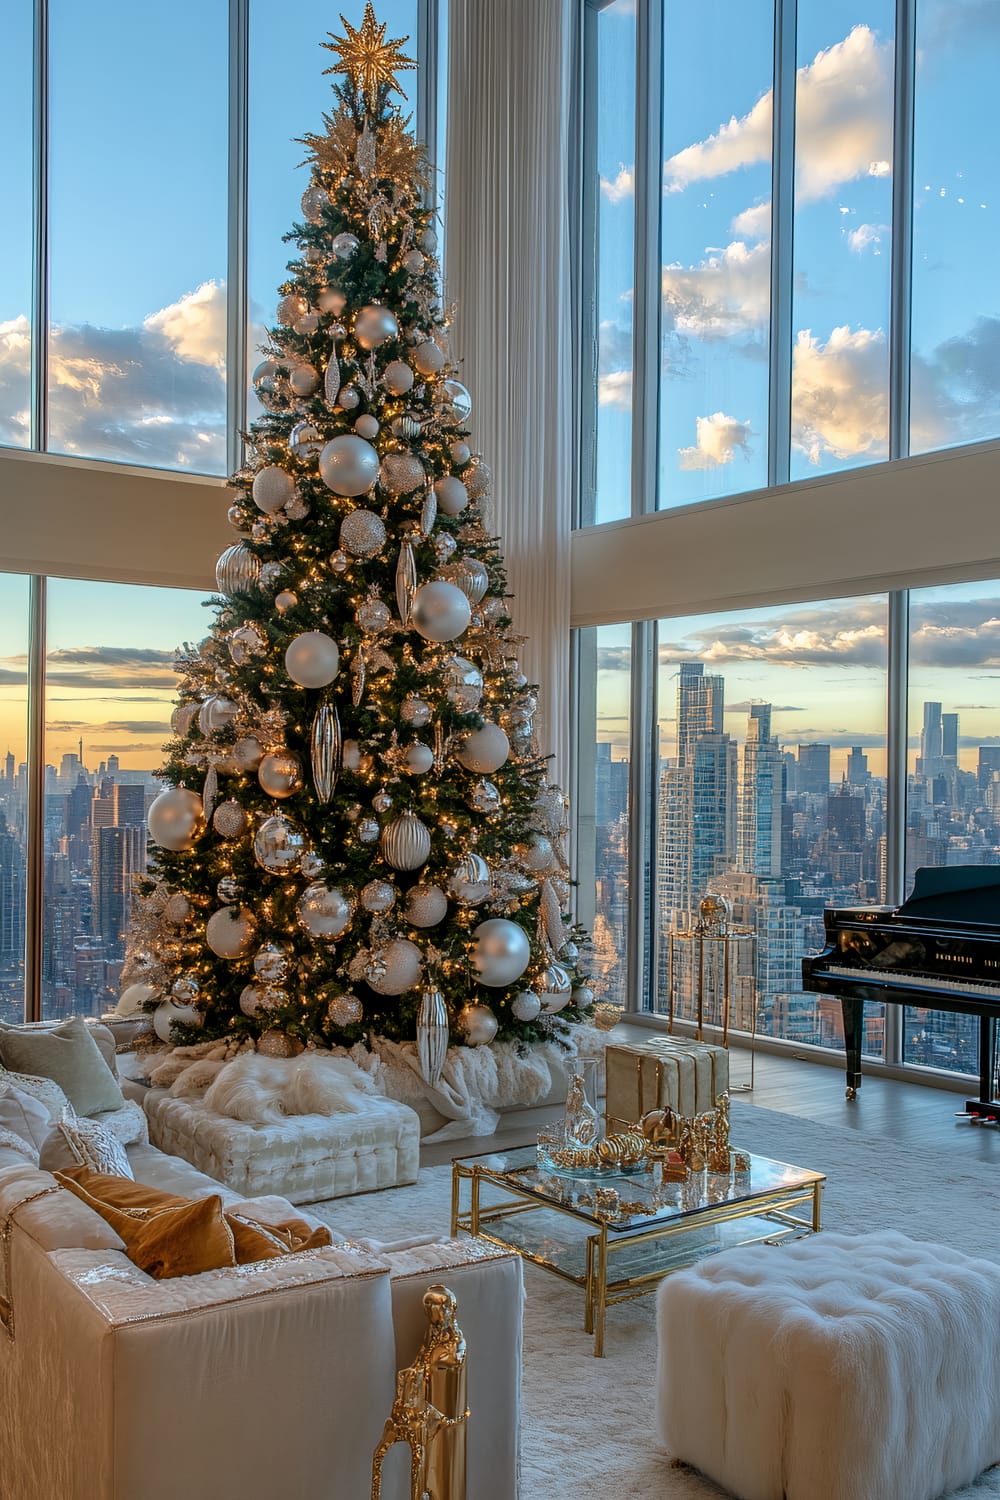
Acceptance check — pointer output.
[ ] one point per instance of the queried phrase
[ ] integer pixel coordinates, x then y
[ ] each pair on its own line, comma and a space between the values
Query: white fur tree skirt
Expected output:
476, 1085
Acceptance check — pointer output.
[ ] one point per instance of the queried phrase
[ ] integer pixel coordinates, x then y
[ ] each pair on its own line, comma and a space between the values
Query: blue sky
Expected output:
716, 190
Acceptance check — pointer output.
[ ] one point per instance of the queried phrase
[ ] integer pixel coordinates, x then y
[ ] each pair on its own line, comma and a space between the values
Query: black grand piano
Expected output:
940, 950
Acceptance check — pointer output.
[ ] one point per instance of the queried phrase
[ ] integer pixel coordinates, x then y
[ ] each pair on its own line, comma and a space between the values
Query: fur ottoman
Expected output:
833, 1368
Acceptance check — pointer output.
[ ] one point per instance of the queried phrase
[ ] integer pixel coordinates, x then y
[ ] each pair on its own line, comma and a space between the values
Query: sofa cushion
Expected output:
69, 1056
167, 1240
83, 1143
44, 1090
23, 1116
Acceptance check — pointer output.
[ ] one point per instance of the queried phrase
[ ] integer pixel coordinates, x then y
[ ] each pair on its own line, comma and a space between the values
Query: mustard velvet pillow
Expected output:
177, 1240
252, 1240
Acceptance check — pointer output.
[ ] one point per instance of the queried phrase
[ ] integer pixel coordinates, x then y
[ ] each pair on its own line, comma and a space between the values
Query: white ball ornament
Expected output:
183, 717
525, 1006
583, 996
484, 750
280, 774
413, 262
419, 759
348, 398
312, 659
169, 1014
248, 752
323, 911
500, 951
229, 932
401, 473
215, 714
535, 854
307, 324
304, 380
348, 465
285, 601
177, 909
251, 999
398, 969
426, 905
134, 998
478, 1024
367, 427
176, 819
272, 488
374, 326
460, 452
441, 612
331, 300
397, 378
452, 496
427, 358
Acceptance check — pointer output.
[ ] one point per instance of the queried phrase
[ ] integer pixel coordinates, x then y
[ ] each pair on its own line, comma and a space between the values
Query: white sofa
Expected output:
253, 1382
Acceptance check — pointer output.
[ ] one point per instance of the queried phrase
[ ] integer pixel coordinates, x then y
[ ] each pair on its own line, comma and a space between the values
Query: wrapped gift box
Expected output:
663, 1072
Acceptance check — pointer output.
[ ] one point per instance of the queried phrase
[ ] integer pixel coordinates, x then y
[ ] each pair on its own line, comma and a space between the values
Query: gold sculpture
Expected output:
430, 1412
701, 1141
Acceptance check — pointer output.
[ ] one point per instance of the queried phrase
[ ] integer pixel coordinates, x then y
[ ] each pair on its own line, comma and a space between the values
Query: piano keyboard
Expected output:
899, 979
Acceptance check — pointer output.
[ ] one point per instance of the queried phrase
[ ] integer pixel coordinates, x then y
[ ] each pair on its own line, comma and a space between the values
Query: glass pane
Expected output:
717, 72
771, 795
279, 117
605, 679
16, 242
13, 790
843, 212
138, 220
110, 688
956, 193
953, 787
608, 494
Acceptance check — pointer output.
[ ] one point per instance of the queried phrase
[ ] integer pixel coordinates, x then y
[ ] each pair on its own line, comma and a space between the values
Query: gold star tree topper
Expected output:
370, 62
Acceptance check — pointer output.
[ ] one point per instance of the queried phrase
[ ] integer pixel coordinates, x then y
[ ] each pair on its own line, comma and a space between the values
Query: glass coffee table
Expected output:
616, 1251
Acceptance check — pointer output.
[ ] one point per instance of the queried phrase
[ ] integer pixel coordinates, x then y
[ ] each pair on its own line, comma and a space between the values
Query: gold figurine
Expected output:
430, 1412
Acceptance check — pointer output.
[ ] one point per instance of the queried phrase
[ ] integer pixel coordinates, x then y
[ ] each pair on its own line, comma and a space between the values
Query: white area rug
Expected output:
589, 1429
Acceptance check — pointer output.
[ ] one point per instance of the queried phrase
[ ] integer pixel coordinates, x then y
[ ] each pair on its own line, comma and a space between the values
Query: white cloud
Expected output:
840, 401
153, 394
615, 390
880, 169
727, 294
615, 189
718, 439
867, 237
843, 124
753, 223
195, 325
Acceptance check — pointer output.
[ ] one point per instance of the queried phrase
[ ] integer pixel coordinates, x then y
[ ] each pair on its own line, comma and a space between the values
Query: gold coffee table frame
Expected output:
770, 1192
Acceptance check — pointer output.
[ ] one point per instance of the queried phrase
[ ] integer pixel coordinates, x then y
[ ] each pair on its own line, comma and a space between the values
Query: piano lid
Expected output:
958, 893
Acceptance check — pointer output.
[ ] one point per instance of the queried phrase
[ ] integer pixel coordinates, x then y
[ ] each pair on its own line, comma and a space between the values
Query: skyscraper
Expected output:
949, 738
12, 899
119, 856
697, 825
759, 830
814, 770
857, 767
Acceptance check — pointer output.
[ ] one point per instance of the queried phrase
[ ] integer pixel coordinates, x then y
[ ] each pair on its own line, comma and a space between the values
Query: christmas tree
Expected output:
359, 836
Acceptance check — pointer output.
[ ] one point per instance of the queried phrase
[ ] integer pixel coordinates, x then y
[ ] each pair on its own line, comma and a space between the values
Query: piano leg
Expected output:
854, 1030
985, 1107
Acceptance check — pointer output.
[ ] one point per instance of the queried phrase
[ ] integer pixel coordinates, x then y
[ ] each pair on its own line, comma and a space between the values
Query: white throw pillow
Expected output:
16, 1143
84, 1143
23, 1115
43, 1089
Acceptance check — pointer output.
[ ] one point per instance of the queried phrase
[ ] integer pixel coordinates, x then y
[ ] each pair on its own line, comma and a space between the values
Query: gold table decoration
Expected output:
430, 1413
660, 1224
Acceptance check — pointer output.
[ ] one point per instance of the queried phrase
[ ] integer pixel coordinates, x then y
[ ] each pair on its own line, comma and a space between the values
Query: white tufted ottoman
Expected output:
833, 1368
304, 1158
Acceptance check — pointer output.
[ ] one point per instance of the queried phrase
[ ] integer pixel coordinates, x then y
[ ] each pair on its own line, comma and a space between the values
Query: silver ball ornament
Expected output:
251, 999
285, 601
216, 713
347, 464
374, 326
460, 452
344, 245
177, 909
323, 911
307, 325
362, 533
373, 616
471, 576
367, 427
280, 773
427, 358
397, 378
463, 683
406, 842
331, 300
290, 308
228, 890
483, 797
270, 576
458, 398
304, 380
500, 951
229, 819
415, 711
554, 988
315, 201
525, 1006
304, 440
272, 487
368, 830
312, 864
378, 896
401, 473
469, 882
270, 963
185, 988
348, 398
419, 758
245, 642
426, 905
345, 1010
339, 561
413, 262
278, 845
583, 996
444, 546
398, 968
229, 932
176, 819
478, 1024
484, 750
312, 659
440, 612
535, 854
248, 752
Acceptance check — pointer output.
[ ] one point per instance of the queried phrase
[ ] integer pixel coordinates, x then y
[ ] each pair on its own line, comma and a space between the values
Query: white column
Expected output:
511, 202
